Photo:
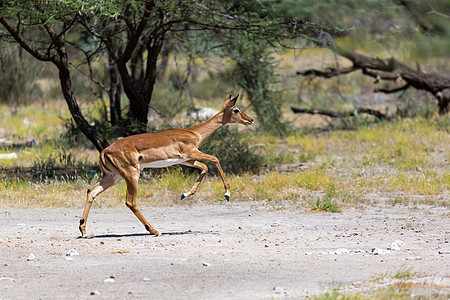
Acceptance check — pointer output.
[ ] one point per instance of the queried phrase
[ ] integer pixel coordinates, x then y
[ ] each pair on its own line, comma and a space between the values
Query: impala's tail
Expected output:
107, 164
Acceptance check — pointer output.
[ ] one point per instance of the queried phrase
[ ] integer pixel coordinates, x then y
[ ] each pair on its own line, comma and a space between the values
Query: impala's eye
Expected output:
236, 111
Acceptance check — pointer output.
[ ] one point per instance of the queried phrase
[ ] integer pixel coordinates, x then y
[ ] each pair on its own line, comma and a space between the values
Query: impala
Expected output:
126, 158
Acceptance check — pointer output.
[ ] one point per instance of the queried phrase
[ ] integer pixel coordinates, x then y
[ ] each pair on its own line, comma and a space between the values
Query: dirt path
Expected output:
228, 250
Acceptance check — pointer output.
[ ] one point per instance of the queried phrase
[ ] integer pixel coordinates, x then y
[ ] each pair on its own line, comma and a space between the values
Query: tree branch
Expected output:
135, 34
330, 72
334, 114
380, 74
21, 41
388, 91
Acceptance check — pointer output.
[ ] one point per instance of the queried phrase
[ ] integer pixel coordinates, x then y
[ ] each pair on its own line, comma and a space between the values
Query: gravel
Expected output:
236, 250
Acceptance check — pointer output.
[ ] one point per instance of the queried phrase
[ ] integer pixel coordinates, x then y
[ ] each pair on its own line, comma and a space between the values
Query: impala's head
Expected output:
232, 114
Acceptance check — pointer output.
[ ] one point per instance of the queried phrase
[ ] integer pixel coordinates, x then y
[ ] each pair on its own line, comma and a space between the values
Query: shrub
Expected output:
325, 204
44, 169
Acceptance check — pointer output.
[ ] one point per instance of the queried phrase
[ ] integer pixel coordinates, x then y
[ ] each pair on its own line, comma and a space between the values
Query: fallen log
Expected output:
391, 69
334, 114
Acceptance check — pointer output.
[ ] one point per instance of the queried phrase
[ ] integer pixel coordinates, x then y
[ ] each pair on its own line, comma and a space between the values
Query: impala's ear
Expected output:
230, 102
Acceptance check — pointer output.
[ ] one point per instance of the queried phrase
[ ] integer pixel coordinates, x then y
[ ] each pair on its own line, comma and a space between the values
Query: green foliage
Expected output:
44, 169
402, 273
45, 166
326, 204
405, 273
169, 100
59, 10
313, 179
254, 71
233, 152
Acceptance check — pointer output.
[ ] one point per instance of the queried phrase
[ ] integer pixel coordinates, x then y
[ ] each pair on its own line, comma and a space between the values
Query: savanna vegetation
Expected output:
77, 75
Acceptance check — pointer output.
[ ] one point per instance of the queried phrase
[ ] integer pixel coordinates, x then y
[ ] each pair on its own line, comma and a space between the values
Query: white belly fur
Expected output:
162, 163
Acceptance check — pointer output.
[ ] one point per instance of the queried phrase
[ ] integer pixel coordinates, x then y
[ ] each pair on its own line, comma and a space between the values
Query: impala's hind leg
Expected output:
132, 186
108, 180
201, 166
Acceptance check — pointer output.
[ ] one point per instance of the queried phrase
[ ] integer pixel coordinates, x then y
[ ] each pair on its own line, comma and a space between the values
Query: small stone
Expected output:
341, 251
109, 280
205, 264
95, 293
9, 156
279, 289
378, 251
396, 245
72, 252
444, 251
68, 258
31, 257
146, 279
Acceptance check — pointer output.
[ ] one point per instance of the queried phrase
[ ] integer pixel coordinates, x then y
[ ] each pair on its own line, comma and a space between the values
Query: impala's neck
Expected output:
205, 130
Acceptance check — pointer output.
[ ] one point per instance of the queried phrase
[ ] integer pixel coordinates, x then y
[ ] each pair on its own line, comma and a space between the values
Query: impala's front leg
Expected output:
198, 155
226, 184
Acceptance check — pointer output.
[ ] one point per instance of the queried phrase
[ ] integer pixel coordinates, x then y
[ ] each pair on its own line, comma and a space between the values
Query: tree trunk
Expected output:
115, 91
138, 82
89, 131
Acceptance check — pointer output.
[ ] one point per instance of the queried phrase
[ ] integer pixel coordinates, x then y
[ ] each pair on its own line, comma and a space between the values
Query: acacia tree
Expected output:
133, 41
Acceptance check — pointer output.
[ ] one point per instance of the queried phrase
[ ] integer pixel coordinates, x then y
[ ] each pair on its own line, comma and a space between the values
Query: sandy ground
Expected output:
231, 250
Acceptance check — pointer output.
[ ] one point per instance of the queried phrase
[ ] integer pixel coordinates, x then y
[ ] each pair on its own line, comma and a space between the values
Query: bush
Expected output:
232, 151
44, 169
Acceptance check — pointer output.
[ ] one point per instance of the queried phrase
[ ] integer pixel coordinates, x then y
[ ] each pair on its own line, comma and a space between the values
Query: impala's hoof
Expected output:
151, 230
81, 228
227, 196
183, 196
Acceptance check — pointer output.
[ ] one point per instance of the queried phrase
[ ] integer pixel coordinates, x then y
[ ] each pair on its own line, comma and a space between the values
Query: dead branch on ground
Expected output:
393, 70
334, 114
